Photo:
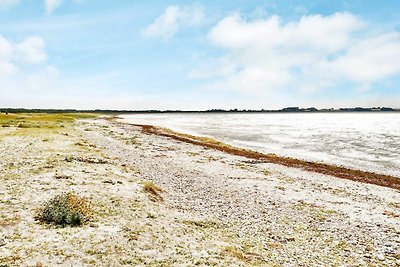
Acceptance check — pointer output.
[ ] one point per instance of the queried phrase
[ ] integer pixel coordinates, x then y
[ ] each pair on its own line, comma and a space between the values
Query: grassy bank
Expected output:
41, 120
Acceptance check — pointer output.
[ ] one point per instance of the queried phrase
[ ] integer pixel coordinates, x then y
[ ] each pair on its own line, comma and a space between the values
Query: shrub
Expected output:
65, 209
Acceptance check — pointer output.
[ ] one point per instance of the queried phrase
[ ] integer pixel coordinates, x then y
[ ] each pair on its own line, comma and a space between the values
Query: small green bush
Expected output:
65, 209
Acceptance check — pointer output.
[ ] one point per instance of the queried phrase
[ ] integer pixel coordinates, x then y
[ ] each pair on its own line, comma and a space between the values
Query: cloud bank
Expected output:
174, 18
311, 54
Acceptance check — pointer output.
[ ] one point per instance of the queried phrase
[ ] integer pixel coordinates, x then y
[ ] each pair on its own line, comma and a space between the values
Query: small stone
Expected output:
2, 242
94, 225
369, 248
290, 239
380, 257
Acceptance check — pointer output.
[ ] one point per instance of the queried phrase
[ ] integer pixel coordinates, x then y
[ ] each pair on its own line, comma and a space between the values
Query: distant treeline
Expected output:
288, 109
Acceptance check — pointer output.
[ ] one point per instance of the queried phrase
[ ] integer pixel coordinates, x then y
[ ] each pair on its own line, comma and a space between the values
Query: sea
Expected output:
358, 140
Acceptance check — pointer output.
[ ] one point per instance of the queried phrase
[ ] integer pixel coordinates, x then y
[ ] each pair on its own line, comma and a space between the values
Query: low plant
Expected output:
65, 209
153, 190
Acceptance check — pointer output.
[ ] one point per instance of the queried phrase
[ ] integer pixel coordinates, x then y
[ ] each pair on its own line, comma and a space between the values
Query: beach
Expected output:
213, 208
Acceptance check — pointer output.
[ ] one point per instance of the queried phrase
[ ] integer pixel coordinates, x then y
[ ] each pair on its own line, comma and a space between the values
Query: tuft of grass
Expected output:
395, 205
244, 256
266, 172
65, 209
5, 222
153, 190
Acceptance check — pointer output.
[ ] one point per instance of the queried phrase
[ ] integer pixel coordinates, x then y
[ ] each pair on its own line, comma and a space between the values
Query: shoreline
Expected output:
322, 168
211, 209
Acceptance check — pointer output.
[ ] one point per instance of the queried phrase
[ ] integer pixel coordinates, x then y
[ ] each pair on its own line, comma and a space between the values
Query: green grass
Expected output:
41, 120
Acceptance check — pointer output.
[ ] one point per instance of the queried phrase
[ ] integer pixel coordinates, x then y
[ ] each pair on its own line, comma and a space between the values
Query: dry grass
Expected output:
153, 190
6, 222
248, 257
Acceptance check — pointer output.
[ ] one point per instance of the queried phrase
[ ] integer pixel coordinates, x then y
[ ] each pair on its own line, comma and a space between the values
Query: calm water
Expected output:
358, 140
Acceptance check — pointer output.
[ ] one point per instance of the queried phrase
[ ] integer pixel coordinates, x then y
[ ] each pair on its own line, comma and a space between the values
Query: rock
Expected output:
380, 257
94, 225
2, 242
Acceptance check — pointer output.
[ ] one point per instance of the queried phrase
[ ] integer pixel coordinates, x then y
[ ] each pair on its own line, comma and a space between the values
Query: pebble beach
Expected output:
212, 209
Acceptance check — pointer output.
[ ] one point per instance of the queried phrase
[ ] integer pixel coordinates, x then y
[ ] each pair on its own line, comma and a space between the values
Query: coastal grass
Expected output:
154, 191
41, 120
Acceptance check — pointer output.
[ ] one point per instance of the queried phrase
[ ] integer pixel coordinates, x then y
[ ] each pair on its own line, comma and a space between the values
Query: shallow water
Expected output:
366, 141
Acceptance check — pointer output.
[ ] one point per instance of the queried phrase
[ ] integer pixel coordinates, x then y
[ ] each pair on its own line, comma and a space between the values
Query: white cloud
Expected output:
174, 18
32, 50
6, 4
371, 59
6, 48
14, 57
310, 54
52, 5
7, 69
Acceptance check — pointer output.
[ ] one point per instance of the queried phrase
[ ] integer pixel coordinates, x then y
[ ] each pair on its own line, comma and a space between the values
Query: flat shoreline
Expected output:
322, 168
213, 208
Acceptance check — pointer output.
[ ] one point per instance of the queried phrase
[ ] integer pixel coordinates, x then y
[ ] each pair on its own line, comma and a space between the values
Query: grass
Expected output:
5, 222
242, 255
153, 190
41, 120
266, 172
200, 223
395, 205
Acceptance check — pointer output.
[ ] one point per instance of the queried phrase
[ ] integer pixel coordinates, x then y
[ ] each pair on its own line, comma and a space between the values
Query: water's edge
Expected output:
322, 168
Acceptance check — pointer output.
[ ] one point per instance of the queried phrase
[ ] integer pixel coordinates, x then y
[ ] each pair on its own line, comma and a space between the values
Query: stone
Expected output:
380, 257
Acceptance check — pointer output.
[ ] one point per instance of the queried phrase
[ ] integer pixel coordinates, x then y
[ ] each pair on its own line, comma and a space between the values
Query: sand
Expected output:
215, 209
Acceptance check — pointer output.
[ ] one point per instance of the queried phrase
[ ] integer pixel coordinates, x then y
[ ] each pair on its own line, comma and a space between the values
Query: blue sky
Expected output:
124, 54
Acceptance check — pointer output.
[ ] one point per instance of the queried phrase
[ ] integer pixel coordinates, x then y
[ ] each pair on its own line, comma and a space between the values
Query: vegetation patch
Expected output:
201, 223
266, 172
6, 222
242, 255
65, 209
40, 120
394, 205
153, 190
91, 160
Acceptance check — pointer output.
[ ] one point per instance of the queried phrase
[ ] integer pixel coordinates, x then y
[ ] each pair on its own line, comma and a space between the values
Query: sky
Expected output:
125, 54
